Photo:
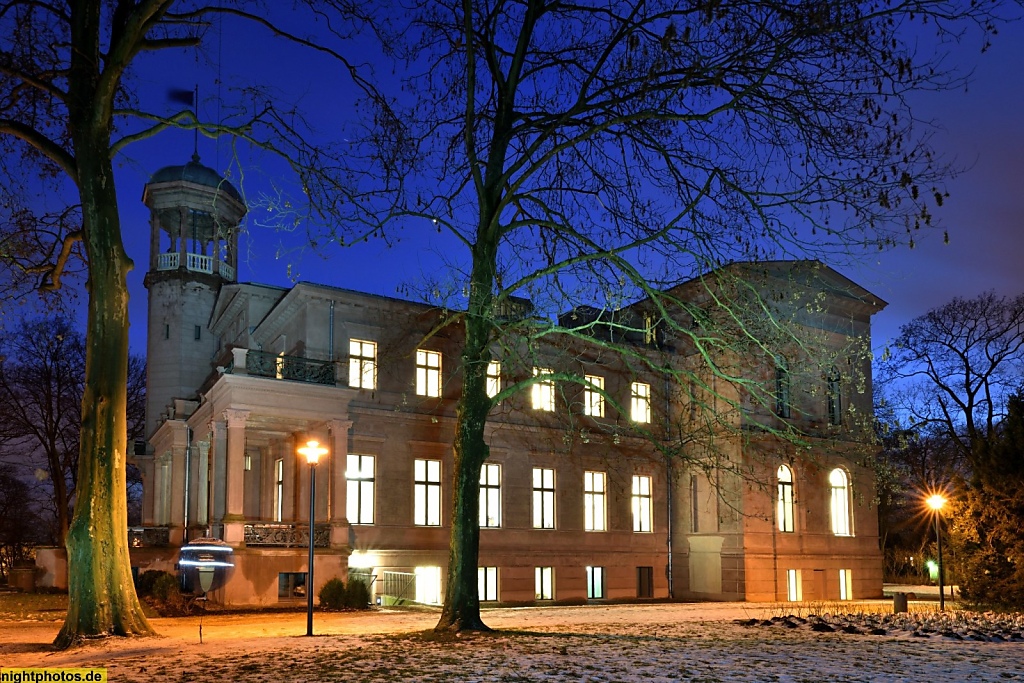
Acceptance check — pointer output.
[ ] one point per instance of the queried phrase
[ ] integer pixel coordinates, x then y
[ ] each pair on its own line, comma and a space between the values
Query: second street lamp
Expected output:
312, 452
936, 502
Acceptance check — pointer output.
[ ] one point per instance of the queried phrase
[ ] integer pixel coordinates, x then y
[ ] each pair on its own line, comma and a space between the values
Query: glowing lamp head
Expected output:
312, 451
936, 502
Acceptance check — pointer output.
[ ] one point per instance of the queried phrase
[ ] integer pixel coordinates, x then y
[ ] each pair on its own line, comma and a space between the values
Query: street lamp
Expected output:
935, 502
312, 452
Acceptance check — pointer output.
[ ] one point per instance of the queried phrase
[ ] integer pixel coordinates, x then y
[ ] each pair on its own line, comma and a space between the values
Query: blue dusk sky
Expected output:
978, 128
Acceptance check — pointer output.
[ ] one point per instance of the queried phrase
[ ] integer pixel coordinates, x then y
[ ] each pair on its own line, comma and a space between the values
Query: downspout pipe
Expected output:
330, 334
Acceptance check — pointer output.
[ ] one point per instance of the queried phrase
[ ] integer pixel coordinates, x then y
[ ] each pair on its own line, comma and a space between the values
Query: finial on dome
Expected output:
195, 157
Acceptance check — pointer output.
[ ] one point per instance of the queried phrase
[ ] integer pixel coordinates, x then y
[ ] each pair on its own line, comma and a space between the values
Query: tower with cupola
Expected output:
194, 223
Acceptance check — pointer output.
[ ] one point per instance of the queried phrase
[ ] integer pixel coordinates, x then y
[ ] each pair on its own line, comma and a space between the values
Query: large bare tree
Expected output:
954, 368
588, 156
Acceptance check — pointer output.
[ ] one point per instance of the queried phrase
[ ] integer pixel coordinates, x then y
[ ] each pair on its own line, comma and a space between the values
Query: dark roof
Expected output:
195, 172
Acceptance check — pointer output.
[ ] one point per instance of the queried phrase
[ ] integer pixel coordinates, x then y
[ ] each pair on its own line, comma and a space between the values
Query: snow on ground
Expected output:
647, 643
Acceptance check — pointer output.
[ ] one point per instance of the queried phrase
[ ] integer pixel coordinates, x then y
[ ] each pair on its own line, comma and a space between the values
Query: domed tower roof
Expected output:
195, 172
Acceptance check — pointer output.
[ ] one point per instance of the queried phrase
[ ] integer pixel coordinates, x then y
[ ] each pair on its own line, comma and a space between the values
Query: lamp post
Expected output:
312, 452
935, 502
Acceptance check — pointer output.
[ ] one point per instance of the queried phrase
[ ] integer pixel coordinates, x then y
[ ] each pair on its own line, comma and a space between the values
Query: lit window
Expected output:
543, 498
360, 489
543, 392
846, 584
493, 378
839, 483
593, 501
835, 398
641, 503
794, 591
278, 490
595, 583
593, 399
362, 364
543, 583
428, 373
782, 408
640, 402
785, 502
427, 492
428, 585
490, 496
487, 583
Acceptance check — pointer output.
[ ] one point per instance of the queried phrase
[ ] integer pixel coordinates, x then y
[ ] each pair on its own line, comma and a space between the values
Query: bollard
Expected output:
899, 603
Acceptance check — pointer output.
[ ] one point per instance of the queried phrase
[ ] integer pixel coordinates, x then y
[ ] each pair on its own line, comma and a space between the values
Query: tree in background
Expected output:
987, 513
953, 369
954, 376
41, 388
590, 157
19, 525
910, 466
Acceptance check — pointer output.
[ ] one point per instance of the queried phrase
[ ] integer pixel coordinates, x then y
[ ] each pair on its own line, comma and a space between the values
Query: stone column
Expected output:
234, 475
154, 241
218, 478
183, 243
177, 490
148, 466
201, 453
338, 513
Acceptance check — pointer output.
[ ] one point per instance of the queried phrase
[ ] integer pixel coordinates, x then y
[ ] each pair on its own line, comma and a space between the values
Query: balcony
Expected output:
196, 263
281, 535
275, 366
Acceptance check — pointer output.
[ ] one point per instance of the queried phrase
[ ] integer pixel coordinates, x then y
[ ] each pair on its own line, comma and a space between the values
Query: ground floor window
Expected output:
645, 582
794, 590
846, 584
595, 583
487, 578
428, 585
291, 585
544, 583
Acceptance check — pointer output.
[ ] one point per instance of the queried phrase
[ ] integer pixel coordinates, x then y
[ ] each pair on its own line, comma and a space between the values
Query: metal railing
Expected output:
399, 588
148, 536
265, 364
287, 535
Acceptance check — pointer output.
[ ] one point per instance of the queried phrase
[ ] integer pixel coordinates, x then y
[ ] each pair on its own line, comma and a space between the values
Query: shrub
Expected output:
147, 580
165, 587
333, 594
358, 594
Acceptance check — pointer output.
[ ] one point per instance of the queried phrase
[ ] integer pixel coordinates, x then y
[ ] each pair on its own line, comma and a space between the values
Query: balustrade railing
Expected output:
287, 535
196, 263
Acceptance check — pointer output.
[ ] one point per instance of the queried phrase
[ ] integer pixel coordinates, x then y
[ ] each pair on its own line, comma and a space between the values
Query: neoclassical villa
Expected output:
779, 506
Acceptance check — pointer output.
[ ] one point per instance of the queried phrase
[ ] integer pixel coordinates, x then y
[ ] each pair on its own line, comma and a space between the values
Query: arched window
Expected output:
782, 386
785, 500
839, 484
835, 398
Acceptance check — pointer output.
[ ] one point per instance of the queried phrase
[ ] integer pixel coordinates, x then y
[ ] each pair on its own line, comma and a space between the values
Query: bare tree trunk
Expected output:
101, 594
462, 599
102, 599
